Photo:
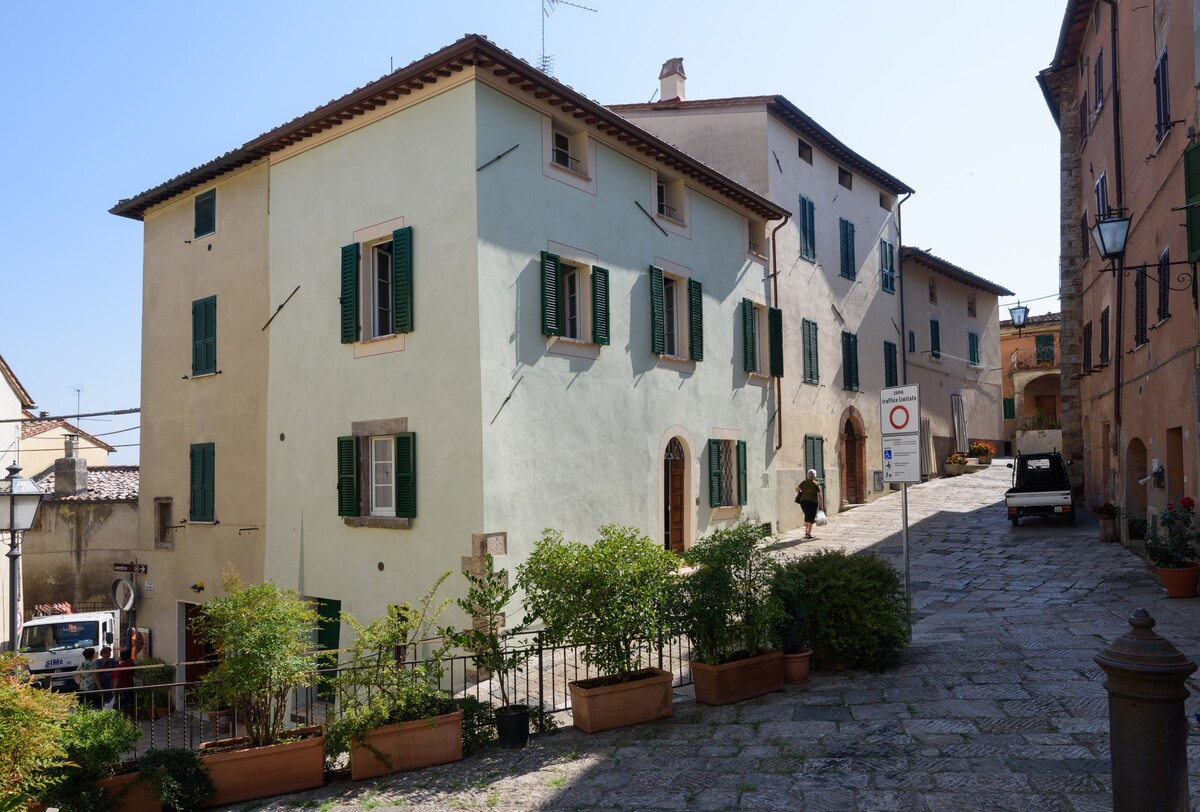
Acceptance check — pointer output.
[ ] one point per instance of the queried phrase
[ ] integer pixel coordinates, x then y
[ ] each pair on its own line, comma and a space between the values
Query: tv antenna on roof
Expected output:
546, 64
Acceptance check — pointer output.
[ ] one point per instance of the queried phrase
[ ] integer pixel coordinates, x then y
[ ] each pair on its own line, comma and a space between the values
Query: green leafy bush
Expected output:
788, 586
378, 685
262, 635
728, 608
1174, 545
856, 609
96, 742
177, 778
605, 597
31, 722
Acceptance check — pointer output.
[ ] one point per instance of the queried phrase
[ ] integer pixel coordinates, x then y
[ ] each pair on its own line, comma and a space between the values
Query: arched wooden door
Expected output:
855, 481
673, 502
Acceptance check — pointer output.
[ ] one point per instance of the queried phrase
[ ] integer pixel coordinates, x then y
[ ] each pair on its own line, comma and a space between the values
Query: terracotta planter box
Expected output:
1180, 581
408, 746
796, 667
742, 679
129, 794
261, 772
644, 698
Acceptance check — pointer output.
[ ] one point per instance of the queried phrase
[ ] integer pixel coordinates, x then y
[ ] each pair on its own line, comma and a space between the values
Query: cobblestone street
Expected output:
998, 705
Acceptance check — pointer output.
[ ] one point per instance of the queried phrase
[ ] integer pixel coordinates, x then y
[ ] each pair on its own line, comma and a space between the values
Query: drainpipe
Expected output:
1119, 186
900, 282
775, 303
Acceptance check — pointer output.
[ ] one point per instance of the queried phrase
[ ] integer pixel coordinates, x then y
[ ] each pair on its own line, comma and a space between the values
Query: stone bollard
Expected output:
1147, 728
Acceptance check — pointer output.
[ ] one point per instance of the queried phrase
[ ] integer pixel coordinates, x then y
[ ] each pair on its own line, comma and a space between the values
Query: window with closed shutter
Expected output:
695, 320
887, 265
814, 456
1010, 409
849, 268
935, 339
973, 348
1162, 97
202, 506
1087, 347
1139, 309
808, 332
1104, 352
1164, 288
204, 336
1044, 348
749, 337
775, 339
849, 361
890, 372
808, 230
1191, 184
205, 214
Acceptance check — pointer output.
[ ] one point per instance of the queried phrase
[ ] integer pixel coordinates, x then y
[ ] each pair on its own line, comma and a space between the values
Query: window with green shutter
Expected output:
814, 456
347, 476
714, 473
202, 506
849, 361
600, 306
1010, 409
1191, 183
887, 266
935, 339
1043, 347
775, 336
727, 481
749, 337
402, 280
406, 475
695, 320
741, 472
658, 312
205, 214
348, 303
808, 333
973, 348
551, 306
891, 376
377, 476
846, 237
204, 336
808, 230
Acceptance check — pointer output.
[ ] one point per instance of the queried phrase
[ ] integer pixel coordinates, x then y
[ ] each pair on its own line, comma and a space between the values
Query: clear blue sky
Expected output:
106, 100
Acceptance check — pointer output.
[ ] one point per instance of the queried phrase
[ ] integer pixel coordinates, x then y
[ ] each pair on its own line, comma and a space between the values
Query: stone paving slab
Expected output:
998, 705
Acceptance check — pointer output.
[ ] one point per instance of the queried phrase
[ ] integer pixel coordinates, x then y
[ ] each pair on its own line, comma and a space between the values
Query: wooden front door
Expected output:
850, 463
197, 653
673, 466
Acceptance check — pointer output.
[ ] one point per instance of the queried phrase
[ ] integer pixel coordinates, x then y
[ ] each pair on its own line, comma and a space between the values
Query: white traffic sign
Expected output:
902, 458
900, 410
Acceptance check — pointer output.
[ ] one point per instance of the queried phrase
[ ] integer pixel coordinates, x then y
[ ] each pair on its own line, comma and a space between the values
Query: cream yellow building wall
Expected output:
228, 408
39, 451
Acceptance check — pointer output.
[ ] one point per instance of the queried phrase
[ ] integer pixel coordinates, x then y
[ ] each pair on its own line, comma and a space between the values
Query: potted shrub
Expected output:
176, 778
607, 598
153, 702
730, 615
32, 757
857, 612
261, 635
492, 646
791, 628
1172, 549
983, 451
392, 713
96, 742
956, 464
1108, 513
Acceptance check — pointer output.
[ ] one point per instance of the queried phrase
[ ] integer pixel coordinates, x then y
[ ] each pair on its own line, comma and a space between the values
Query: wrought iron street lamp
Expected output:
20, 499
1110, 233
1020, 316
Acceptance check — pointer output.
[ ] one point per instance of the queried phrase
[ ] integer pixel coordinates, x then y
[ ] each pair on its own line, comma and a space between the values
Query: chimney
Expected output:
70, 472
671, 79
71, 443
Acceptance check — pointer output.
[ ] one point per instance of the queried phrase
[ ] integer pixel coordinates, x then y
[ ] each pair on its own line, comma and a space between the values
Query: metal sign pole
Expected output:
904, 520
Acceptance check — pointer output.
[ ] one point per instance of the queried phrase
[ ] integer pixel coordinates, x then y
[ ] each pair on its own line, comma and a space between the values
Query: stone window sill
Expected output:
386, 522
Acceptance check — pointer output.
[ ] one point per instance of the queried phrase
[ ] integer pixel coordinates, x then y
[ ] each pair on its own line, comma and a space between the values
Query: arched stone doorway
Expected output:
674, 469
852, 459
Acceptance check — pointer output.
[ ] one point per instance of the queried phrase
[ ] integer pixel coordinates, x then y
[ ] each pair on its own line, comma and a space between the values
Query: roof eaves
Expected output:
135, 207
952, 271
18, 389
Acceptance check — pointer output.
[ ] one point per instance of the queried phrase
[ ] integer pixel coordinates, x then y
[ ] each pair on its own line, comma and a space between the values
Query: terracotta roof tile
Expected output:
106, 483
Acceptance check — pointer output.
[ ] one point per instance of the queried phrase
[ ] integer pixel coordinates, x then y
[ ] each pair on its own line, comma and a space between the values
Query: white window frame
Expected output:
381, 475
371, 281
367, 238
580, 264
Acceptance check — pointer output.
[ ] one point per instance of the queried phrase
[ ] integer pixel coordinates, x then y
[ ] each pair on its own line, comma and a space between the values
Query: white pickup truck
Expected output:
53, 645
1041, 487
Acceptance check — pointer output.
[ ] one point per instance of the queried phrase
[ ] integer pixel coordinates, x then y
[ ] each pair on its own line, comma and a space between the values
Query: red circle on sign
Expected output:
903, 420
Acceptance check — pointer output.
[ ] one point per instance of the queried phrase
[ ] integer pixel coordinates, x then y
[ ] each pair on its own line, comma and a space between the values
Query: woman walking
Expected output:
810, 499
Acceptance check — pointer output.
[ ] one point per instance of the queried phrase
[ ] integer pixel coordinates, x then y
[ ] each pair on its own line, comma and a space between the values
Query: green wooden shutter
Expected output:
695, 320
204, 336
406, 475
854, 360
205, 220
658, 313
741, 471
812, 370
349, 300
775, 334
347, 476
890, 377
1044, 347
202, 484
814, 456
846, 234
749, 337
402, 280
551, 307
935, 338
600, 306
1010, 409
811, 223
1191, 183
849, 361
973, 348
714, 473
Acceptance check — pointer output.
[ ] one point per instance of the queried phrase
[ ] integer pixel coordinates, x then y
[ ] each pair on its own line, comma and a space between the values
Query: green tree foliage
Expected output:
261, 634
31, 723
604, 597
96, 742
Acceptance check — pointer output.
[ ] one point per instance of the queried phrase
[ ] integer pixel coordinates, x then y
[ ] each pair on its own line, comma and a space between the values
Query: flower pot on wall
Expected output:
645, 697
953, 469
738, 680
1180, 581
408, 746
986, 459
262, 772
